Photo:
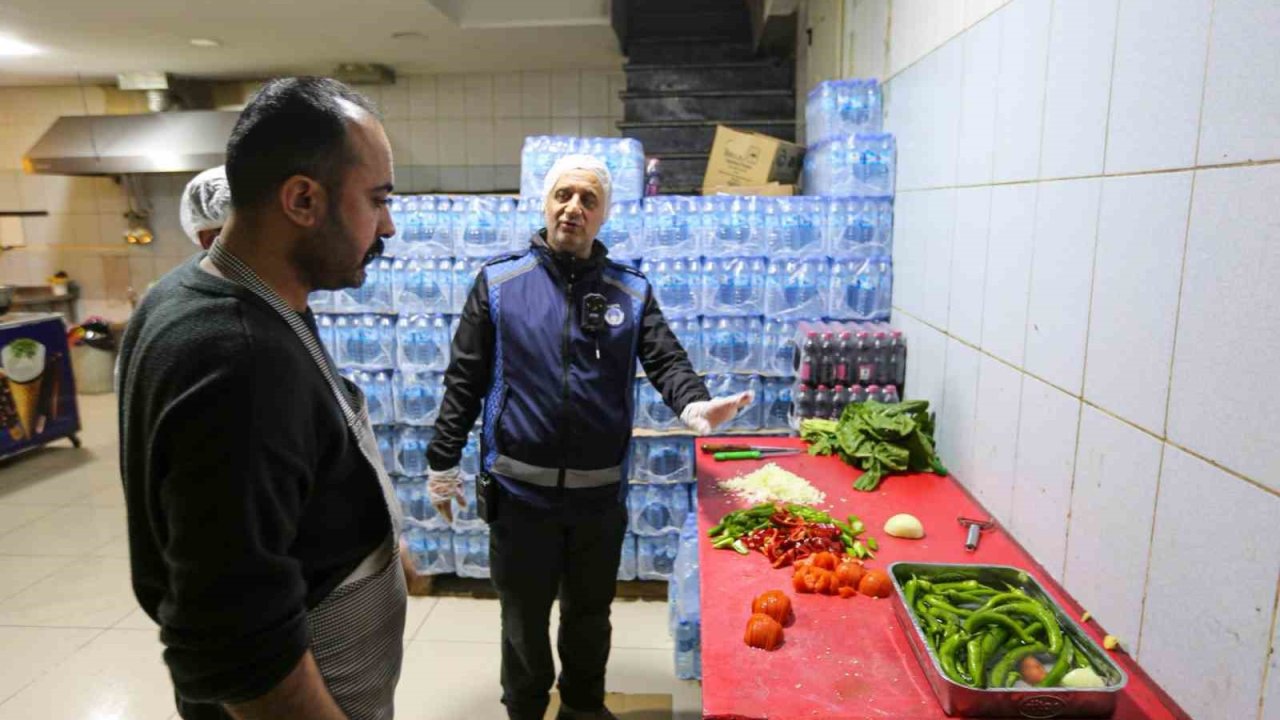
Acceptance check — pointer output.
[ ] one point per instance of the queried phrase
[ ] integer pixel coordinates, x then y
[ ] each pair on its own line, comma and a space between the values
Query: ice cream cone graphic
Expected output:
23, 364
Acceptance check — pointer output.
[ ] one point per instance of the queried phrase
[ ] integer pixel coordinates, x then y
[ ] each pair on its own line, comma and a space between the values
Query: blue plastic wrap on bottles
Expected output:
623, 156
376, 386
677, 285
465, 518
733, 286
465, 271
861, 288
723, 384
780, 347
421, 286
856, 223
529, 219
327, 330
657, 509
656, 555
795, 227
651, 410
321, 301
732, 344
479, 233
417, 397
470, 463
776, 397
471, 554
385, 435
411, 450
623, 232
843, 107
662, 460
795, 289
874, 171
422, 342
505, 220
365, 342
416, 503
667, 226
374, 295
685, 573
627, 566
736, 226
688, 330
430, 550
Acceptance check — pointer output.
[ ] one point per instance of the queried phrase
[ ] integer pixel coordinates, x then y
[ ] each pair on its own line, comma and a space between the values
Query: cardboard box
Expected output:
751, 159
772, 189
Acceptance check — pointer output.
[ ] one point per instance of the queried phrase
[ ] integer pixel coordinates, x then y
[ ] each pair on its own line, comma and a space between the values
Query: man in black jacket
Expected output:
548, 345
260, 533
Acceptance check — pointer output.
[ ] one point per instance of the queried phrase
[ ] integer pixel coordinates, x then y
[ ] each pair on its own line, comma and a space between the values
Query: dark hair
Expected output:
293, 126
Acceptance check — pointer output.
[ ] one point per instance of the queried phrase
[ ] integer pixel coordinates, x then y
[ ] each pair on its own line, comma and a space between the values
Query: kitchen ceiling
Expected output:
94, 41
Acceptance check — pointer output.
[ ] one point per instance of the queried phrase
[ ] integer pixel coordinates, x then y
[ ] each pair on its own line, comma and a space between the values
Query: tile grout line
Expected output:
1151, 548
56, 665
1199, 456
1071, 492
1271, 650
1044, 94
1104, 175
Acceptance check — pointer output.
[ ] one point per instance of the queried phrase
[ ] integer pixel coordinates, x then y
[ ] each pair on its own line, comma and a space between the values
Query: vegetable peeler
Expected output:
976, 527
753, 454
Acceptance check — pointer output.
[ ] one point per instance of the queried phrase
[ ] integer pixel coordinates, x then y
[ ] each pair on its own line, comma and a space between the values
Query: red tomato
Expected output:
847, 592
875, 583
773, 603
763, 632
824, 560
849, 574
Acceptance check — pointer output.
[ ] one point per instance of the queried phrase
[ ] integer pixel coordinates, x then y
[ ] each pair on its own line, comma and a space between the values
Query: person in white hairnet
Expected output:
547, 346
205, 206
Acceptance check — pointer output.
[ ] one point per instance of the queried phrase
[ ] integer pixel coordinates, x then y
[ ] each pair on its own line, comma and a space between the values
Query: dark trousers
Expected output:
535, 555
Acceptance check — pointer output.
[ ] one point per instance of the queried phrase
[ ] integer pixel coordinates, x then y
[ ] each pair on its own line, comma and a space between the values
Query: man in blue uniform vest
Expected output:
547, 345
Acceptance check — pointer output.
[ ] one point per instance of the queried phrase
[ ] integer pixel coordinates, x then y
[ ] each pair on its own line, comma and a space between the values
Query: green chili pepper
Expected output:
1015, 641
1061, 663
740, 548
1038, 612
1002, 599
960, 585
947, 617
1081, 660
909, 590
962, 597
716, 530
940, 603
724, 542
994, 639
1011, 677
1011, 659
989, 617
977, 661
947, 656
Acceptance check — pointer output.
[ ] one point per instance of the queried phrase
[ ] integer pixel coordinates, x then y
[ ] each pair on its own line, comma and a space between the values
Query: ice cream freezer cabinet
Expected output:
37, 387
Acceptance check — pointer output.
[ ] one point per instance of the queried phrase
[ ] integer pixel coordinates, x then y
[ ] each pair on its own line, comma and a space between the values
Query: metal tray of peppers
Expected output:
993, 643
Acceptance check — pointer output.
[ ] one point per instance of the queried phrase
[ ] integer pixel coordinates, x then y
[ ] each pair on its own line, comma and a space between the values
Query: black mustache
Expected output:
374, 252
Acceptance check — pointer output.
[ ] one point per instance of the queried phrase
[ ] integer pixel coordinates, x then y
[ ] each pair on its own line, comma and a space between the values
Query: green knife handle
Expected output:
738, 455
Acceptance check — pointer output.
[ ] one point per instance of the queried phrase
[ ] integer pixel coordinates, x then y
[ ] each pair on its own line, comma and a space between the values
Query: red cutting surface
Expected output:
849, 658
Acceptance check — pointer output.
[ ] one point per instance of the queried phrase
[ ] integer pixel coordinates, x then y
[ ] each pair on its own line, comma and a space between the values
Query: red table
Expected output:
850, 658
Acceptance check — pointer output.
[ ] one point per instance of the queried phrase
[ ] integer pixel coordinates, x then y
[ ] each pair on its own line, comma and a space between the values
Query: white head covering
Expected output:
589, 163
206, 203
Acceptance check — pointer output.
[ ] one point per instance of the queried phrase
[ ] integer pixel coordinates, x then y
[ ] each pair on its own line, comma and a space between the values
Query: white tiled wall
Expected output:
1099, 270
449, 132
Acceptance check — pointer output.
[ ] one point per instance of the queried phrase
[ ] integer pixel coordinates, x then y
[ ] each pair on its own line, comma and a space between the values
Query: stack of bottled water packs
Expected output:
623, 156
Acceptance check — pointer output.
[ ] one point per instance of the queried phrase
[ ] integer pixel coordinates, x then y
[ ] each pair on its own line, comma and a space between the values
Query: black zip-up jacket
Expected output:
557, 397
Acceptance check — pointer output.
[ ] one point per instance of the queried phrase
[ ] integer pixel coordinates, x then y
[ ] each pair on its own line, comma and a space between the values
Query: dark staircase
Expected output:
691, 65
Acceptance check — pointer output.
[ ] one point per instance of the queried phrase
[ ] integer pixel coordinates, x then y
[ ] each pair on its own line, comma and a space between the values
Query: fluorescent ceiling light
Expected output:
205, 42
16, 48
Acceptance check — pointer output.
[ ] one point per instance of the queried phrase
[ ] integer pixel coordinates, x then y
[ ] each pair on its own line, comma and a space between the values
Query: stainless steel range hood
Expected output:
162, 142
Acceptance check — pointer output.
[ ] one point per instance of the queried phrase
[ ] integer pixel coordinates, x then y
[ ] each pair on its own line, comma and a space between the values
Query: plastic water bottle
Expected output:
884, 290
777, 403
470, 463
689, 332
430, 550
677, 285
417, 397
793, 288
411, 450
627, 567
734, 286
386, 438
732, 344
779, 351
652, 411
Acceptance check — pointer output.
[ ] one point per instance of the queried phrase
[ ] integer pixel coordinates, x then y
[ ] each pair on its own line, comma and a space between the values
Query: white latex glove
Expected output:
442, 487
705, 415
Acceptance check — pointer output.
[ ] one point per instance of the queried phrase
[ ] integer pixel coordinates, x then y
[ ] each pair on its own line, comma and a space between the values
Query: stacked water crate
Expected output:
391, 337
684, 612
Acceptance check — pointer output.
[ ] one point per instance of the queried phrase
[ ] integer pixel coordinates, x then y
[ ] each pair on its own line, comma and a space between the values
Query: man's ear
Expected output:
303, 200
